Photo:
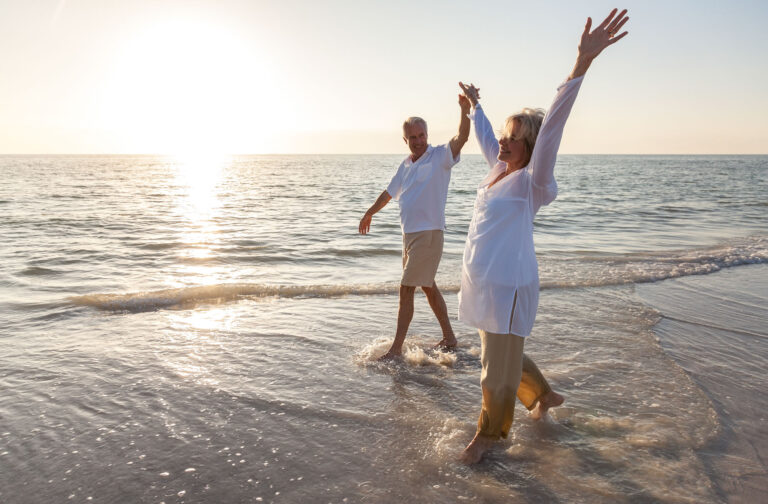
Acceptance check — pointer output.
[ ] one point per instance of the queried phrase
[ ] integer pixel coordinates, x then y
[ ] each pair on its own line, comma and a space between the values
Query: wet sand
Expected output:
716, 328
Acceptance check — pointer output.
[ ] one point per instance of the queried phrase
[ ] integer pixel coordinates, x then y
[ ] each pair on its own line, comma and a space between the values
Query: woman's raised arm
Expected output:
592, 44
483, 130
548, 142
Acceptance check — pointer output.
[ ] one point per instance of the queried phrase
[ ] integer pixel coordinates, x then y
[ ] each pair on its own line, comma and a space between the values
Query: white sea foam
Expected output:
618, 269
575, 271
415, 353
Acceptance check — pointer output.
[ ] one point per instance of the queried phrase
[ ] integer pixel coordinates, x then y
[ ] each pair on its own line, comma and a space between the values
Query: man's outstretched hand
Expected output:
365, 224
464, 103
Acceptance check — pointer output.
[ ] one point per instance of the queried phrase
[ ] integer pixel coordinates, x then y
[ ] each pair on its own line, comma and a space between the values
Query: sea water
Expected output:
206, 331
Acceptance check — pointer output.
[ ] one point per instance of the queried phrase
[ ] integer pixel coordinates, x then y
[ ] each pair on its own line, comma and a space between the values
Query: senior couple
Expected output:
499, 279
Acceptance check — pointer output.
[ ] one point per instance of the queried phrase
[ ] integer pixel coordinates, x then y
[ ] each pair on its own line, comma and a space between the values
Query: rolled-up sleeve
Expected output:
447, 161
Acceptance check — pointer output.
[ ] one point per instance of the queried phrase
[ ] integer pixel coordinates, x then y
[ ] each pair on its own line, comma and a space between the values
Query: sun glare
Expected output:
198, 180
199, 176
189, 88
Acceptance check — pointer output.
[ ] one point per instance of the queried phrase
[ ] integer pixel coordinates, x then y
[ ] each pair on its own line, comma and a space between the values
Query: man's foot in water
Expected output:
446, 344
392, 354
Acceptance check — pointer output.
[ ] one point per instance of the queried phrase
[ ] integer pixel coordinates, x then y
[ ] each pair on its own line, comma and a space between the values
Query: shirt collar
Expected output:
426, 154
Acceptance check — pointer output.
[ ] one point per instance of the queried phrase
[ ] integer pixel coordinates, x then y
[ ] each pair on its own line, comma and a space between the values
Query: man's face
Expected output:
416, 138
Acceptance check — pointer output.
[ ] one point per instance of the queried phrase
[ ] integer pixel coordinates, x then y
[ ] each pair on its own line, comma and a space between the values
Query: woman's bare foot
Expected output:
474, 451
550, 400
446, 344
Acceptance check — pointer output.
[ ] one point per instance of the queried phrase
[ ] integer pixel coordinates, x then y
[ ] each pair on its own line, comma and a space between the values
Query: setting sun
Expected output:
188, 88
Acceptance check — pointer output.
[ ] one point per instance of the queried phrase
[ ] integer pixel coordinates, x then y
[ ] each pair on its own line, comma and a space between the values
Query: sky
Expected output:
338, 76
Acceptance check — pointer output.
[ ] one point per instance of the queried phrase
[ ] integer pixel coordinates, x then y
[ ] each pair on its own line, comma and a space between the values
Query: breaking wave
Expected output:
186, 296
556, 272
602, 270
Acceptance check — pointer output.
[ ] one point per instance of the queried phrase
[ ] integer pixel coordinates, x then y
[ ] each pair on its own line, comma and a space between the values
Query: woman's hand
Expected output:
593, 43
471, 92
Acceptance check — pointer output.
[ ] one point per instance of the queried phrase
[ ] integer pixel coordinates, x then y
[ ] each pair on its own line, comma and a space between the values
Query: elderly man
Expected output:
420, 186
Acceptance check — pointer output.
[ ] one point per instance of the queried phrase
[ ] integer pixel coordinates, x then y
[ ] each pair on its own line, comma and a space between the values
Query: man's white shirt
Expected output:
421, 189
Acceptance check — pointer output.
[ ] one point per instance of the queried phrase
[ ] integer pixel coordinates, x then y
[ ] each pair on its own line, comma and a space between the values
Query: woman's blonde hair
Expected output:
529, 123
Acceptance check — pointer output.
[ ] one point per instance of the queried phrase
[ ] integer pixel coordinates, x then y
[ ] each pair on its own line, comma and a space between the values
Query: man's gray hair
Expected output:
413, 121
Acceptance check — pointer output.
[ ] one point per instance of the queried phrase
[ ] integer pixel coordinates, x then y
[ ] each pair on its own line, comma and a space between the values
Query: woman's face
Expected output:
512, 146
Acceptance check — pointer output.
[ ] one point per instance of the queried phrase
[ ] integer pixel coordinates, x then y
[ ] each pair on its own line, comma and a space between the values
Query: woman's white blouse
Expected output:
500, 275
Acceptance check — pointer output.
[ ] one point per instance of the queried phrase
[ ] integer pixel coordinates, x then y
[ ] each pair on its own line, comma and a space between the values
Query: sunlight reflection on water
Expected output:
198, 203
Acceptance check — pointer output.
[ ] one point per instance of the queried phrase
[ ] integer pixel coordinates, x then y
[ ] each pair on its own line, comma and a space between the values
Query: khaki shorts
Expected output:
422, 251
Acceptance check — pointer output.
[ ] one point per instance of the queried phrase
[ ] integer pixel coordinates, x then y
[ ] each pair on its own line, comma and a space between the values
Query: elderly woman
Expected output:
500, 279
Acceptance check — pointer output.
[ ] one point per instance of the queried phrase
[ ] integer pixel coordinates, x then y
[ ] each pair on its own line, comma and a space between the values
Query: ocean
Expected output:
206, 332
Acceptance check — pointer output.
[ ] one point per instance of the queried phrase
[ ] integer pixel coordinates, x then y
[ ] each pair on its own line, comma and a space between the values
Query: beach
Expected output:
714, 327
208, 333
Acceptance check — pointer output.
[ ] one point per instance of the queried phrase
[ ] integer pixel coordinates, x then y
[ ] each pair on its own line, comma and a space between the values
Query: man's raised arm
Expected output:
461, 138
381, 202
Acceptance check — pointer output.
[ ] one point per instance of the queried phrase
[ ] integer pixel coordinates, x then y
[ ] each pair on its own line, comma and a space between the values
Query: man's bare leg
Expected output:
437, 303
404, 316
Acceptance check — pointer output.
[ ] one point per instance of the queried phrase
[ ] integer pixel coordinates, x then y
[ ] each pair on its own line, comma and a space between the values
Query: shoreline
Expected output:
710, 327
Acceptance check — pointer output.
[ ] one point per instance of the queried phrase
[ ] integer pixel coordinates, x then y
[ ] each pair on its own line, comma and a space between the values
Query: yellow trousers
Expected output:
507, 373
